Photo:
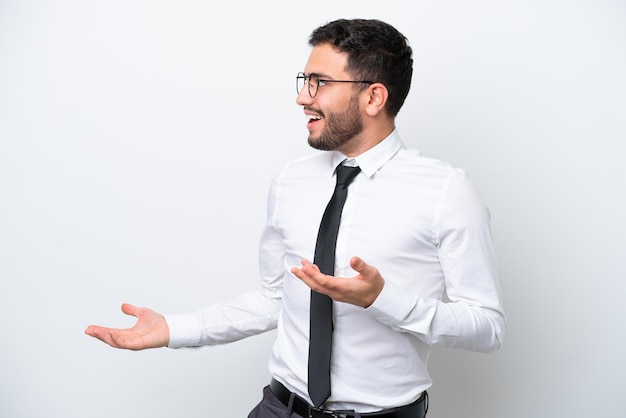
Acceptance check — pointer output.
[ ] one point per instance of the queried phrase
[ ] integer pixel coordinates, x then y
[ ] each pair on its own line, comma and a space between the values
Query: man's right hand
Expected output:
150, 331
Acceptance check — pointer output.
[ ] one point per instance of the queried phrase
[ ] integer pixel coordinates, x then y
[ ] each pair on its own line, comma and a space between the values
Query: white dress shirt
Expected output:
422, 224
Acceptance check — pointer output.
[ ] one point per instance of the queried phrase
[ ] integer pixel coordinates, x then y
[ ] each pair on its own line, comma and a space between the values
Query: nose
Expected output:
304, 98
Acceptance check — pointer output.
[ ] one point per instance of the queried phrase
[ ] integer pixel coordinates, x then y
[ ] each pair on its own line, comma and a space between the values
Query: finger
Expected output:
309, 268
109, 335
97, 331
118, 338
302, 274
358, 264
310, 274
101, 333
91, 330
305, 270
132, 310
365, 270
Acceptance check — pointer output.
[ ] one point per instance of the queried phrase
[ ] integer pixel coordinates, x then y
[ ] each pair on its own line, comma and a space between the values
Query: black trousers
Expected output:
271, 407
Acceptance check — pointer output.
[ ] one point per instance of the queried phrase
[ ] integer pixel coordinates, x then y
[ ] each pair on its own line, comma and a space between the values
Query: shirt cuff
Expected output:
392, 305
184, 330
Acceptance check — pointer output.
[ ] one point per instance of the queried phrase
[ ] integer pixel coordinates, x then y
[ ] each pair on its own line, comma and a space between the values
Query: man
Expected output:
411, 228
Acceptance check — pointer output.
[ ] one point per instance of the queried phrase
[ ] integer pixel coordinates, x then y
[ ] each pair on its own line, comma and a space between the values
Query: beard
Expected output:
339, 128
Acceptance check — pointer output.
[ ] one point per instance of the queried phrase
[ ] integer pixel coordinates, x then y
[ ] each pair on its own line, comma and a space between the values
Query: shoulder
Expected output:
414, 162
307, 166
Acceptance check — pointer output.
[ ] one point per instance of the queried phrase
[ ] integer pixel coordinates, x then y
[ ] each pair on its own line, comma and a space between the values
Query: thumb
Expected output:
129, 309
359, 265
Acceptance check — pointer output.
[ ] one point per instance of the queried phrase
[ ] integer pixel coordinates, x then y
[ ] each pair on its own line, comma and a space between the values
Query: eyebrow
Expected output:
320, 75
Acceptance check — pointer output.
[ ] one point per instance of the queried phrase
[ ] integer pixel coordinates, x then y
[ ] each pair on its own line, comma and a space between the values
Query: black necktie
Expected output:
321, 305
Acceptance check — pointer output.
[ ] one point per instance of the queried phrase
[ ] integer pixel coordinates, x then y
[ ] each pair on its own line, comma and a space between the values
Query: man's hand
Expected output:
361, 290
150, 331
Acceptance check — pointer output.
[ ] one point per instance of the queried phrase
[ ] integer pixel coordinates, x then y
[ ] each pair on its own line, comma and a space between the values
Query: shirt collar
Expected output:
373, 159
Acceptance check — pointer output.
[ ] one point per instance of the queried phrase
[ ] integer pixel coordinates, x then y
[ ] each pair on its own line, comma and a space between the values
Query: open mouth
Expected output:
313, 119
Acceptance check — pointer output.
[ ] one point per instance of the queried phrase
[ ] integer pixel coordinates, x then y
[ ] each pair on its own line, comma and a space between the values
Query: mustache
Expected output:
314, 110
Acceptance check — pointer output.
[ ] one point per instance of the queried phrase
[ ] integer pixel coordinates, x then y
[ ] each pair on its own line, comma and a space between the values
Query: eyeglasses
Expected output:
314, 82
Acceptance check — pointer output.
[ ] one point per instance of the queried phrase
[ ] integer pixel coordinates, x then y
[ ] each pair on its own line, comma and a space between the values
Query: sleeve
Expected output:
472, 317
251, 313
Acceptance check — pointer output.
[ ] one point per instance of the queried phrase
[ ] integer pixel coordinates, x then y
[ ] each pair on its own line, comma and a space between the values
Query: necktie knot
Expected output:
346, 174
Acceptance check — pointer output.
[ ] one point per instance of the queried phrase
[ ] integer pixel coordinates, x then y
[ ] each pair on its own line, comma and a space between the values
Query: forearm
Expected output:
252, 313
458, 324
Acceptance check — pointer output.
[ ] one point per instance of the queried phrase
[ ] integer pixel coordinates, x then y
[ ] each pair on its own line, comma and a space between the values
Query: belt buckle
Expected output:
325, 413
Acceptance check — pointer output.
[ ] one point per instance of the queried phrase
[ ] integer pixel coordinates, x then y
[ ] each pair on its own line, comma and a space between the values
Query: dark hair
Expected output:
376, 51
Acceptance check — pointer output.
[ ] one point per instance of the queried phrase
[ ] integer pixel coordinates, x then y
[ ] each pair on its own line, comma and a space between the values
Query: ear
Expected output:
377, 98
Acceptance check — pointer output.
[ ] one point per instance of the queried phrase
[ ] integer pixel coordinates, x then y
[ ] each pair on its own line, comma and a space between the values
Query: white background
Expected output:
138, 138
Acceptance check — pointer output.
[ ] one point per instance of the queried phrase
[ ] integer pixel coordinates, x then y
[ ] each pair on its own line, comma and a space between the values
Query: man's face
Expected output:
334, 114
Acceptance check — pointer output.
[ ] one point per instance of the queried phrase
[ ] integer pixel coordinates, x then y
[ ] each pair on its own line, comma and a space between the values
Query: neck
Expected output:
366, 140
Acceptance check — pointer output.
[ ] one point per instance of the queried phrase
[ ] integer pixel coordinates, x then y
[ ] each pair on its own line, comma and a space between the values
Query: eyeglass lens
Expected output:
312, 81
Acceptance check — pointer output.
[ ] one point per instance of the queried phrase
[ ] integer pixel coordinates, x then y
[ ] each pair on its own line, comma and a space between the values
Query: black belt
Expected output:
301, 407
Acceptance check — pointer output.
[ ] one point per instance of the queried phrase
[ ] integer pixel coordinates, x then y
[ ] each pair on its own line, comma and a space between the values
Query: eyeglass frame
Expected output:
302, 76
